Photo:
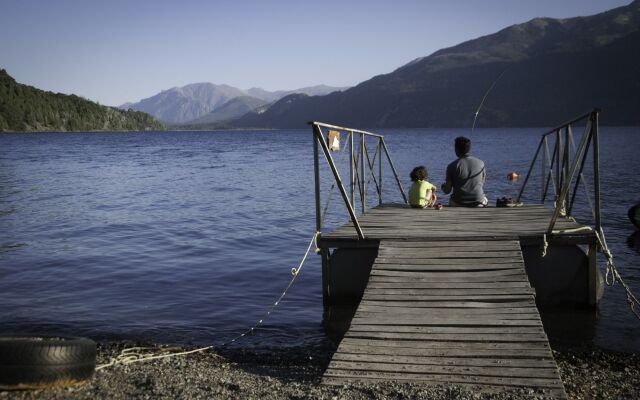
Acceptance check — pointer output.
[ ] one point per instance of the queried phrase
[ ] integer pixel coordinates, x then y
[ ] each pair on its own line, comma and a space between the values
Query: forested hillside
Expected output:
25, 108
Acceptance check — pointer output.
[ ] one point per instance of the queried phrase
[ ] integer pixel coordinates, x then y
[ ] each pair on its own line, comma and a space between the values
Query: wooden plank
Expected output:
538, 352
457, 361
378, 282
399, 297
401, 279
514, 262
457, 254
421, 245
413, 344
458, 337
450, 303
446, 329
447, 267
453, 314
451, 261
449, 311
450, 321
488, 371
465, 274
438, 314
452, 291
401, 246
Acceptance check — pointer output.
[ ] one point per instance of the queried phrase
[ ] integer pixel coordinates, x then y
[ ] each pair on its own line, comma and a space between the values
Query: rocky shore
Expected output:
295, 373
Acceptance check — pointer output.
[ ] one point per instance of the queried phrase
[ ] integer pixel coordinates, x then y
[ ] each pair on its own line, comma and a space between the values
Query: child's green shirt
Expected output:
418, 193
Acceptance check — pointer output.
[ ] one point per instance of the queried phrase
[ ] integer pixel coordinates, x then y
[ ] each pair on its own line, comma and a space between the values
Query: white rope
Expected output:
612, 271
135, 355
545, 242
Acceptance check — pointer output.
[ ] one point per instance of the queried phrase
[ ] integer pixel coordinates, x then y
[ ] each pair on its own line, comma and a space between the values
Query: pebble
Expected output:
295, 373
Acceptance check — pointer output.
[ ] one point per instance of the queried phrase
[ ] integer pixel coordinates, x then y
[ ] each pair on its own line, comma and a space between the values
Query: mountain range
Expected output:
543, 71
200, 103
538, 73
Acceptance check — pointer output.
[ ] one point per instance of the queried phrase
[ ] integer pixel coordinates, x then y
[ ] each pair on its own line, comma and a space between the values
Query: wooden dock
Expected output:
448, 300
526, 224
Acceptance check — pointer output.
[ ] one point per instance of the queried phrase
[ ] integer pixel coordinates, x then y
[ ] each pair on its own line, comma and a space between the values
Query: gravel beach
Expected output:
295, 373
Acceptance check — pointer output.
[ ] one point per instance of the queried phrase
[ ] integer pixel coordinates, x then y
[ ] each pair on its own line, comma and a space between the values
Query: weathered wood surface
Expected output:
448, 312
454, 223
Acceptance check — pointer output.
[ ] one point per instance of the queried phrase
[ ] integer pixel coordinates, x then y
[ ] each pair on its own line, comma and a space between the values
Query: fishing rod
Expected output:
475, 118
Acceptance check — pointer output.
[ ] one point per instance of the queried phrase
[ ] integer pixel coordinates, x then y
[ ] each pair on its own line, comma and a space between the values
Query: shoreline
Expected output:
295, 373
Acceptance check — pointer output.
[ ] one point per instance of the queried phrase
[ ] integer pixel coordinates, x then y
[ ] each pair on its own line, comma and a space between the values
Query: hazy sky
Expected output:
116, 51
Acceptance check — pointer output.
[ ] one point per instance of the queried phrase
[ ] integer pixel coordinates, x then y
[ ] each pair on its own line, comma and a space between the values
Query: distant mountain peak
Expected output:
189, 103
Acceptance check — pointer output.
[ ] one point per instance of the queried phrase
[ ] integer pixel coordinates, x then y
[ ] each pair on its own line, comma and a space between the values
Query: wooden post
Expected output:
326, 289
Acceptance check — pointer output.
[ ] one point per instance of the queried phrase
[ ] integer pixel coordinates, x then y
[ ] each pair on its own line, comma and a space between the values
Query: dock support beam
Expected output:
326, 290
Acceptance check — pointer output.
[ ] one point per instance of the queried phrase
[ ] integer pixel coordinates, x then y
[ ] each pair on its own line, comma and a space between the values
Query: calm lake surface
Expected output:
189, 237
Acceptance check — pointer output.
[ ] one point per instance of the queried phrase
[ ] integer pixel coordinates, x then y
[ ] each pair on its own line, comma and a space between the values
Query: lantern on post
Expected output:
333, 140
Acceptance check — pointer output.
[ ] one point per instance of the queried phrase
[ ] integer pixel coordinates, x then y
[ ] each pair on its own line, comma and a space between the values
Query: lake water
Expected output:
189, 237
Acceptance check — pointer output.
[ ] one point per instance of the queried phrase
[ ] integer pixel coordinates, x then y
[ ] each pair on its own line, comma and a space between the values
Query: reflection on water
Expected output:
634, 241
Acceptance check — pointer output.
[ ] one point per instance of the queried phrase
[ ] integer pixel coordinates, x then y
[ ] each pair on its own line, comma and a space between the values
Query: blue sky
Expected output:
118, 51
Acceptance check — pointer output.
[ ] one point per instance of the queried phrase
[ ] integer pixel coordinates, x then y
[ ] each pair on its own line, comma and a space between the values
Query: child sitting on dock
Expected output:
422, 193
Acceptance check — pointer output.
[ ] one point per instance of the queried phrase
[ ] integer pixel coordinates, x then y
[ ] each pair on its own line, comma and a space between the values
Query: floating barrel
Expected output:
634, 215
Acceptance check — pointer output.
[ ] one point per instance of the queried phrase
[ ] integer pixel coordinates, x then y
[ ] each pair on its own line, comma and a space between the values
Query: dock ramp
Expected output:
458, 312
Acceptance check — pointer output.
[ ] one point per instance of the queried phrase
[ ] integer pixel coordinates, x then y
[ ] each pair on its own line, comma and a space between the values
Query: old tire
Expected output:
38, 362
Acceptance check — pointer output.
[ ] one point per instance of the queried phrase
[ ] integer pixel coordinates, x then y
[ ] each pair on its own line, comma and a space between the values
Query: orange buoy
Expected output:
513, 176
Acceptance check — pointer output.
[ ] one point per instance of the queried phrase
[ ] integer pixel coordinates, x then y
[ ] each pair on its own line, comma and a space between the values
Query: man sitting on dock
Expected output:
466, 177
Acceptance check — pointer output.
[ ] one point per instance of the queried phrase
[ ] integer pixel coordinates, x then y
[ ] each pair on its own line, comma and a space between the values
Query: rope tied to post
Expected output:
612, 275
138, 354
611, 272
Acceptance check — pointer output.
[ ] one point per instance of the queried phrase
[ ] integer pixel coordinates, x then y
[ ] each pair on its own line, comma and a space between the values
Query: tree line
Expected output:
25, 108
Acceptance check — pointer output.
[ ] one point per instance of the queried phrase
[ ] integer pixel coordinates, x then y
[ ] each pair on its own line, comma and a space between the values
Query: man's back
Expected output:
467, 175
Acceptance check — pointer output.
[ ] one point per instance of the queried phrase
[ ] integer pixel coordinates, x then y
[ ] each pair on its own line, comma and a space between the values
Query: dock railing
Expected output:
563, 168
362, 169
